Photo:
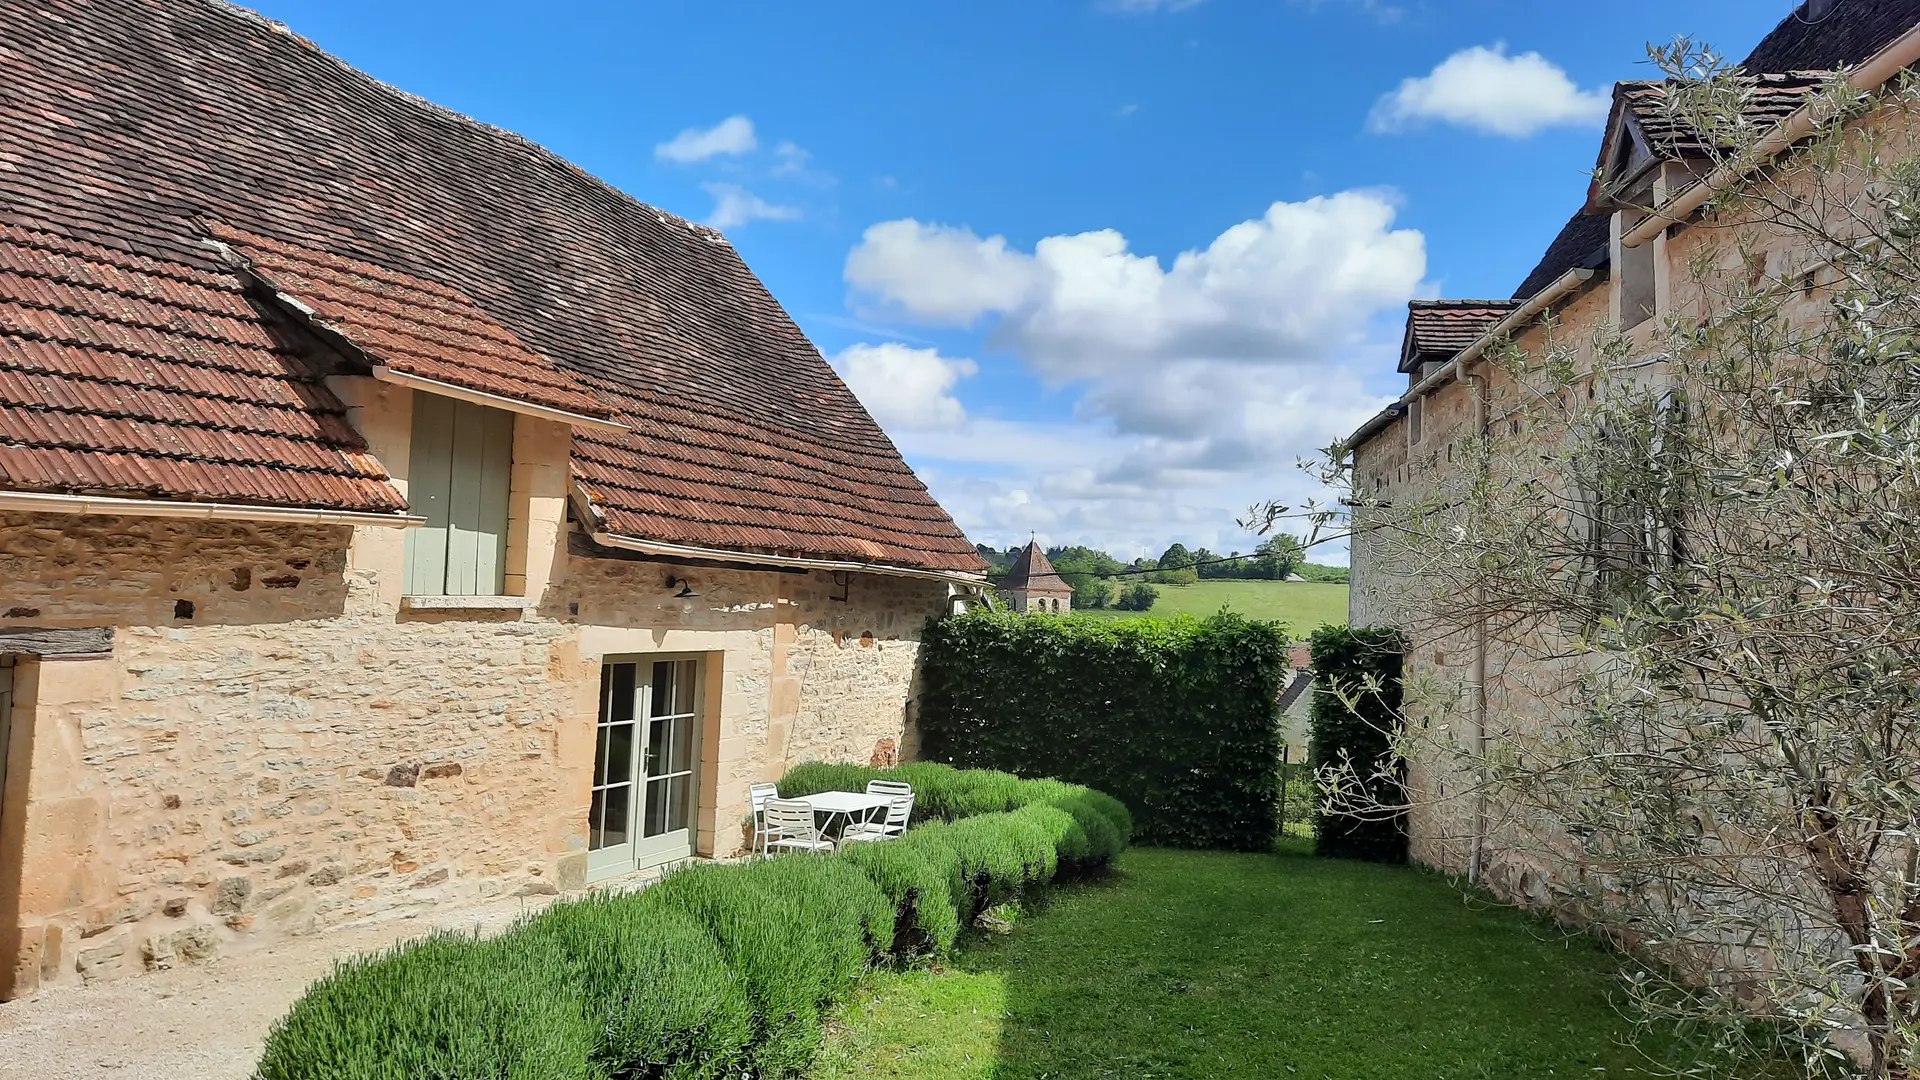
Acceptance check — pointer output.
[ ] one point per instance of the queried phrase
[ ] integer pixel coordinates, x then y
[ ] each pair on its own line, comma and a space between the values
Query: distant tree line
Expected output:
1101, 581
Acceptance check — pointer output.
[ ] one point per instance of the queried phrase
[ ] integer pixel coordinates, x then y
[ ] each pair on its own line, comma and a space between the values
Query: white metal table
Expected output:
844, 805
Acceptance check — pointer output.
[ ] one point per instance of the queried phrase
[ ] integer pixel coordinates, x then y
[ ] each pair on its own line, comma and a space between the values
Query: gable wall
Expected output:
1519, 689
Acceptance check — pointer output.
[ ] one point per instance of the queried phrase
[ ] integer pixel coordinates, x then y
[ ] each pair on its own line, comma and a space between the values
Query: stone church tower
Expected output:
1034, 585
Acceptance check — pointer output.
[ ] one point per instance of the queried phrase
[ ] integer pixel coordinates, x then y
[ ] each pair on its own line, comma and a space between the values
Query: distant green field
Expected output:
1301, 605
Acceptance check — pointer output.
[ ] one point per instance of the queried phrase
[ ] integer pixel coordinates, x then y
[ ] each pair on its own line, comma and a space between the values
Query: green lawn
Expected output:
1302, 605
1236, 967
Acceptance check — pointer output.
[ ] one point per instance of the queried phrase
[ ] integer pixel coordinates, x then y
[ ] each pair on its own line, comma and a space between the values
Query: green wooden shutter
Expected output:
462, 472
482, 471
429, 493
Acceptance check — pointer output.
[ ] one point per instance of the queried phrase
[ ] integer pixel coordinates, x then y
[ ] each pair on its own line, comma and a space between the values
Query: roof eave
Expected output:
656, 547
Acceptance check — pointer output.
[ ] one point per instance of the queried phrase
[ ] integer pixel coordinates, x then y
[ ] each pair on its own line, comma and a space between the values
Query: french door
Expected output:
644, 770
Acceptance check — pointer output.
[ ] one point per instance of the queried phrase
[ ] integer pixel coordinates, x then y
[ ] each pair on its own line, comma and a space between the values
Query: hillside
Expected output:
1300, 605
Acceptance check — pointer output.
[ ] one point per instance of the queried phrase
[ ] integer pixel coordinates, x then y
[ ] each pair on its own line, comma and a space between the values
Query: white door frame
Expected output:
651, 776
9, 672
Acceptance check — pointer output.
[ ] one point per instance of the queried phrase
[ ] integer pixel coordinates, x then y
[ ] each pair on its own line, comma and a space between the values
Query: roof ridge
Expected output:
278, 27
1463, 302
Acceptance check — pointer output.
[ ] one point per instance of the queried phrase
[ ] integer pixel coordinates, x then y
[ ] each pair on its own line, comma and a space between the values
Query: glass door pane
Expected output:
616, 776
672, 720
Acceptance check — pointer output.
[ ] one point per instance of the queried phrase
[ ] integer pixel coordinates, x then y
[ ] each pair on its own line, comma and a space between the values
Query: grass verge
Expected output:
1227, 966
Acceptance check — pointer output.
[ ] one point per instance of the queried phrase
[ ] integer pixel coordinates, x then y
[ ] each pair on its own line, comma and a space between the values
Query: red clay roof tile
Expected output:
437, 245
1437, 329
140, 376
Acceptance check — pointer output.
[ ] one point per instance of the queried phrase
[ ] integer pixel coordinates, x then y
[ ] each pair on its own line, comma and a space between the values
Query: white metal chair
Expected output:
899, 809
761, 795
790, 827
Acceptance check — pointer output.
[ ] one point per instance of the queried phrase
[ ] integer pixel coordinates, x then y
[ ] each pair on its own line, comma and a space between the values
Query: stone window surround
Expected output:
382, 413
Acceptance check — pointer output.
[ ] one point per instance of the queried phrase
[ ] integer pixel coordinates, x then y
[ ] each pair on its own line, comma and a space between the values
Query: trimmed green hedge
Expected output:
1177, 717
1362, 664
944, 793
718, 971
654, 983
444, 1006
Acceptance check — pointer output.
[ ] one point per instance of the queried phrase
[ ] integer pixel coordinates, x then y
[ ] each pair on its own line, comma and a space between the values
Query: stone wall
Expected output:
298, 752
816, 666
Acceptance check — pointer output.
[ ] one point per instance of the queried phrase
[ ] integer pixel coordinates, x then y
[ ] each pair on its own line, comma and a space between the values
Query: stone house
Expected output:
1611, 265
1034, 585
1296, 703
391, 513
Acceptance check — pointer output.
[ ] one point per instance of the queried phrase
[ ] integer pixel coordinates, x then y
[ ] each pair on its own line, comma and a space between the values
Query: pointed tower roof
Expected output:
1032, 572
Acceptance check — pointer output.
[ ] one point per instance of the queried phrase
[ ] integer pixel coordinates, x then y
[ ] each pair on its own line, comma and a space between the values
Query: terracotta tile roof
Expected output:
1034, 571
138, 376
413, 326
1438, 329
132, 123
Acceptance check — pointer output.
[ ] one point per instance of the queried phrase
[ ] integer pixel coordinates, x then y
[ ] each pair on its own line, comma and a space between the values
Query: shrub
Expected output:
1064, 835
1364, 665
1177, 717
921, 888
1101, 817
654, 983
718, 970
936, 844
1000, 854
942, 792
945, 793
814, 777
1138, 596
447, 1007
798, 930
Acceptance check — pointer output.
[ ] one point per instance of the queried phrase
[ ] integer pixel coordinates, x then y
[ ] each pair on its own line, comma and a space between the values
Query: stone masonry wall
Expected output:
815, 667
298, 753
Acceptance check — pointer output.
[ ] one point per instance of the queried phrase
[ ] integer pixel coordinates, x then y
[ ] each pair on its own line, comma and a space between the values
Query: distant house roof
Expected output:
1034, 573
1439, 329
136, 357
1301, 682
1827, 34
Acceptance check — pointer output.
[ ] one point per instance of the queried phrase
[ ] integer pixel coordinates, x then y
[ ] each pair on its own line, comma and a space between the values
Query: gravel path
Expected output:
201, 1022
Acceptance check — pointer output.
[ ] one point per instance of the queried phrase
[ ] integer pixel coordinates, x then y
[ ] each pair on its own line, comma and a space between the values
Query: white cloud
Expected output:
1485, 89
1294, 284
729, 138
906, 389
1197, 384
792, 157
937, 273
734, 205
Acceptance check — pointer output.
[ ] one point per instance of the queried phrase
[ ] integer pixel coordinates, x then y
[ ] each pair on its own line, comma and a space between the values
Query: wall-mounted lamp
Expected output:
686, 588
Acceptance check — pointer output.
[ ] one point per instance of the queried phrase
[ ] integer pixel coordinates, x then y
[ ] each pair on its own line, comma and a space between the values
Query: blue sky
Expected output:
1104, 269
